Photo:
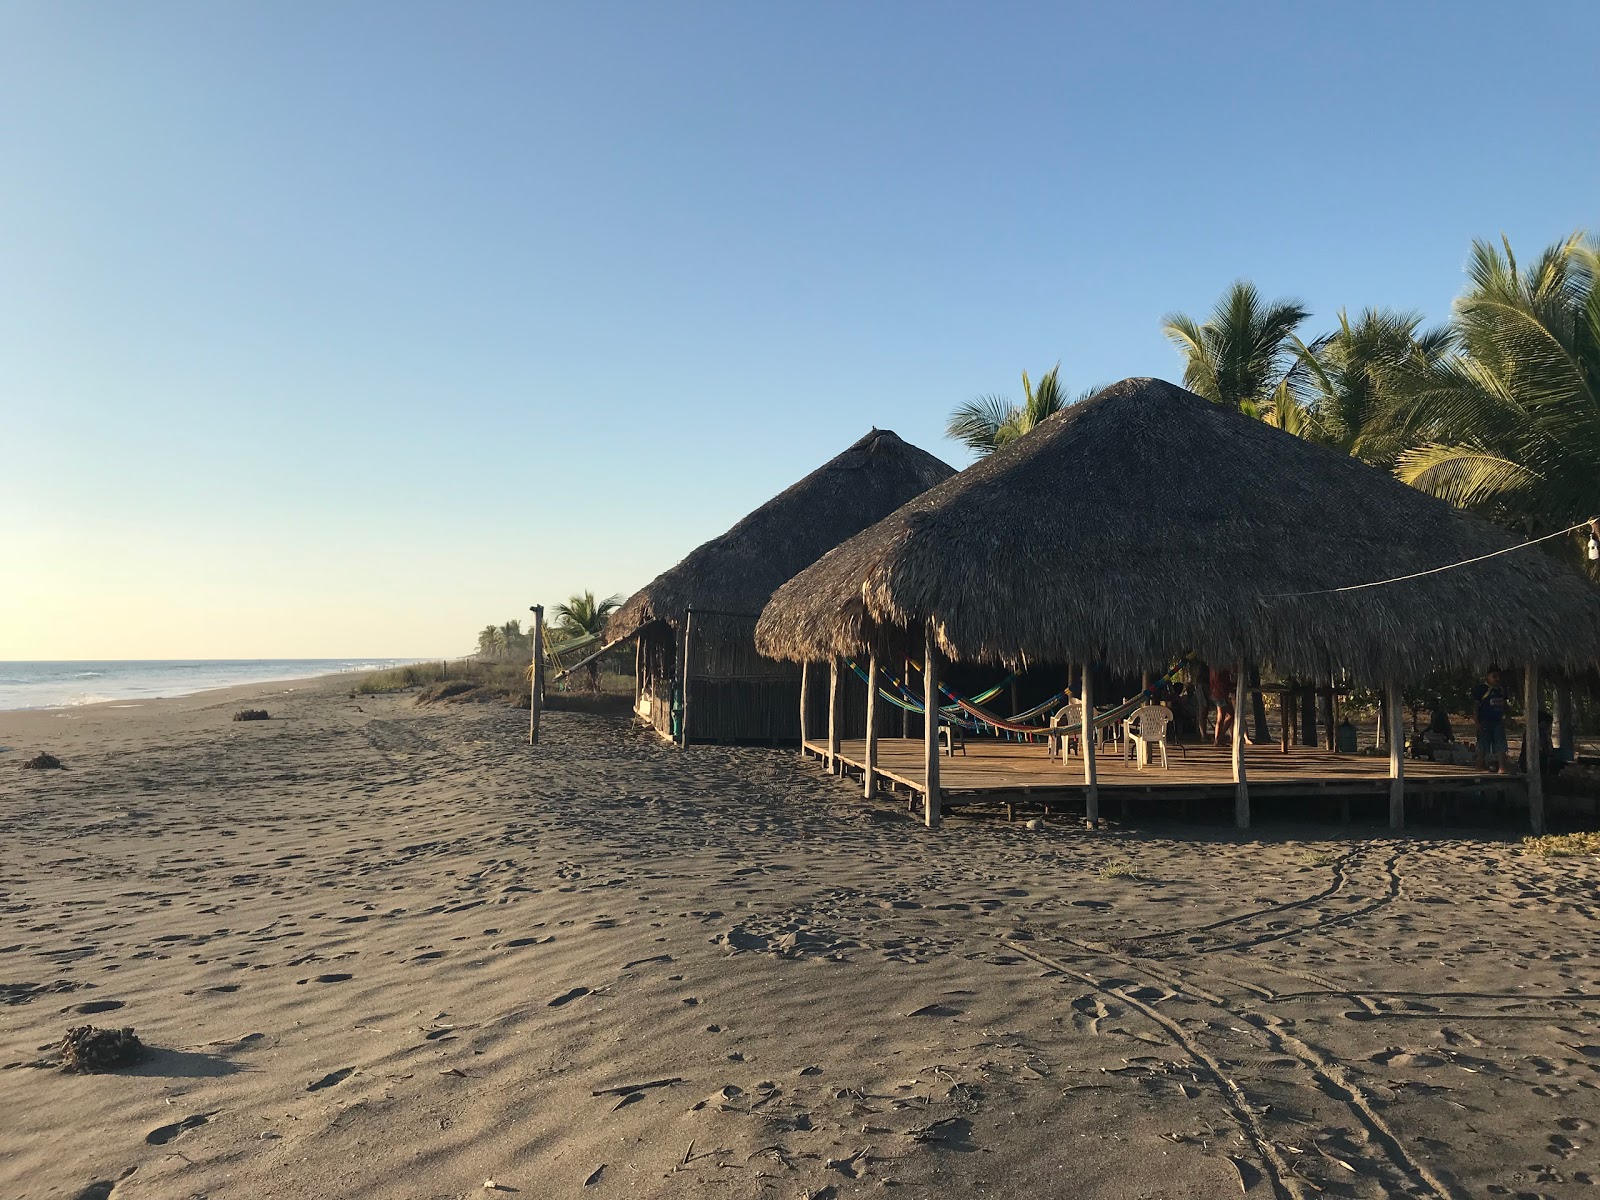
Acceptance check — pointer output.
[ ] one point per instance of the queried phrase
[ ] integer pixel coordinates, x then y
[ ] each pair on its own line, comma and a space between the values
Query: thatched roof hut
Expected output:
1147, 522
726, 581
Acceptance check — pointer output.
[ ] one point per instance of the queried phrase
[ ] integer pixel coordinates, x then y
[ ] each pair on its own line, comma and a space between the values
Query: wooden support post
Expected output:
1531, 747
869, 773
638, 669
805, 705
1393, 710
1086, 739
1562, 733
683, 712
1241, 783
1329, 736
1200, 688
905, 713
1283, 717
930, 731
536, 674
835, 714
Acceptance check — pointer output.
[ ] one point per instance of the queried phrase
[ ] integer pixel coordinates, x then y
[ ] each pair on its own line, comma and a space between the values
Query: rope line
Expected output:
1466, 562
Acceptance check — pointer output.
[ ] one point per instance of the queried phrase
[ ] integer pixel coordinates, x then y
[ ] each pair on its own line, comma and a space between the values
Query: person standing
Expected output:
1489, 701
1221, 686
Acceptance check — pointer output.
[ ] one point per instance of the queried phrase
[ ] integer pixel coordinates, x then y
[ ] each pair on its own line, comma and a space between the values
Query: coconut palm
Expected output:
490, 641
1243, 356
583, 614
514, 640
1345, 374
1509, 423
989, 422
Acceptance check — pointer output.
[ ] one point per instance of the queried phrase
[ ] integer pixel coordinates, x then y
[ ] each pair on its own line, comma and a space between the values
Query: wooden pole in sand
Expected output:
1241, 782
805, 697
536, 674
930, 732
869, 773
1086, 736
683, 711
1531, 747
835, 704
1397, 756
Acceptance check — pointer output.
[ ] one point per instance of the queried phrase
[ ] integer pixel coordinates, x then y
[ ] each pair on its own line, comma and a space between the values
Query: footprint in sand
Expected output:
96, 1006
331, 1078
529, 941
1574, 1124
332, 977
568, 997
163, 1135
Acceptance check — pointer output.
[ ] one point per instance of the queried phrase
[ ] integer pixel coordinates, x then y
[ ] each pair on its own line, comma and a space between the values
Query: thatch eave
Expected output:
1147, 522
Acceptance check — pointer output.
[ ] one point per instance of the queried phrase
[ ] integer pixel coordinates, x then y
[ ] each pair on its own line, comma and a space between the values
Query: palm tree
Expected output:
513, 640
1345, 374
989, 422
583, 614
489, 639
1243, 355
1509, 423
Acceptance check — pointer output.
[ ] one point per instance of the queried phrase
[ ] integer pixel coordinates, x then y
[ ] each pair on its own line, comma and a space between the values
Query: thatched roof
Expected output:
738, 571
1146, 522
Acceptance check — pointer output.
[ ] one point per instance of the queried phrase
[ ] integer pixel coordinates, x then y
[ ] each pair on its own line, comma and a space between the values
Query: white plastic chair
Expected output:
1064, 726
1147, 728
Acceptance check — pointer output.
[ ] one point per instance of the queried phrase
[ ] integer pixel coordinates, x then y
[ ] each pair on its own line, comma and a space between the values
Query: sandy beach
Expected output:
388, 950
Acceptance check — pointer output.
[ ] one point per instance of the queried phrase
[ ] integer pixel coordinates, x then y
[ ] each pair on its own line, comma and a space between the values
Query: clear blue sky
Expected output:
348, 328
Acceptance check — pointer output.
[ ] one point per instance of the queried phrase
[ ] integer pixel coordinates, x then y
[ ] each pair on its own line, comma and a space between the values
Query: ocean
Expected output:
63, 684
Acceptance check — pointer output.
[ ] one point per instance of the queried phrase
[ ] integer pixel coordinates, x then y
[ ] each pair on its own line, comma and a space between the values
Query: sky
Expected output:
346, 329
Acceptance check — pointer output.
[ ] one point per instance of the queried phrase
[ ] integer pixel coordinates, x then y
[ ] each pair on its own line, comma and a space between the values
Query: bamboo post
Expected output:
1329, 734
1283, 718
869, 773
536, 674
930, 732
1531, 748
683, 712
805, 697
835, 697
1241, 783
1200, 685
638, 670
1397, 755
1091, 782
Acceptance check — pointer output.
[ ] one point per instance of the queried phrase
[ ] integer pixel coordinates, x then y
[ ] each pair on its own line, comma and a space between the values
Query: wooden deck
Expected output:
1014, 769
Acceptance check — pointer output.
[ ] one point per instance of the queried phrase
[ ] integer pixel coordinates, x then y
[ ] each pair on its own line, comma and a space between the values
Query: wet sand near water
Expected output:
387, 950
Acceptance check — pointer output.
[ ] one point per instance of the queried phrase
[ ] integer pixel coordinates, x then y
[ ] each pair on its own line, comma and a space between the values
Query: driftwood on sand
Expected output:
43, 762
92, 1051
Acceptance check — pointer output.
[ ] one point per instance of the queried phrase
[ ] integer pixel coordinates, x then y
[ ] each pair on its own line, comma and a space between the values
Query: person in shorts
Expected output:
1489, 701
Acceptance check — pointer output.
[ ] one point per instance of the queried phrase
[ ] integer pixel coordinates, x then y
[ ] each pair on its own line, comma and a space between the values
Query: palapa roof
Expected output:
738, 571
1147, 522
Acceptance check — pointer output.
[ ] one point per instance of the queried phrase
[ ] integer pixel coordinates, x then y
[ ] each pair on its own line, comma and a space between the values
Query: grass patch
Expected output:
1320, 858
1563, 845
399, 679
1118, 870
497, 680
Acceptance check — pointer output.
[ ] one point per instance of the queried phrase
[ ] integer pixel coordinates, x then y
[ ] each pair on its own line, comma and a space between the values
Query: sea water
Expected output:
62, 684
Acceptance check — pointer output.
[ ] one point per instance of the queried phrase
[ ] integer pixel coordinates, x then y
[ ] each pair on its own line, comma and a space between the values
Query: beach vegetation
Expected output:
1563, 845
1244, 356
1508, 424
986, 423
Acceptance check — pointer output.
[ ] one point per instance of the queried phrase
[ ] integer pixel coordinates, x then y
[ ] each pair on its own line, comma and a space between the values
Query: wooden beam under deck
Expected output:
1002, 769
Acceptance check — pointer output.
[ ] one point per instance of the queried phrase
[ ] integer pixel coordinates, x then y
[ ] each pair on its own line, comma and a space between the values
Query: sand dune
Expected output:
385, 950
